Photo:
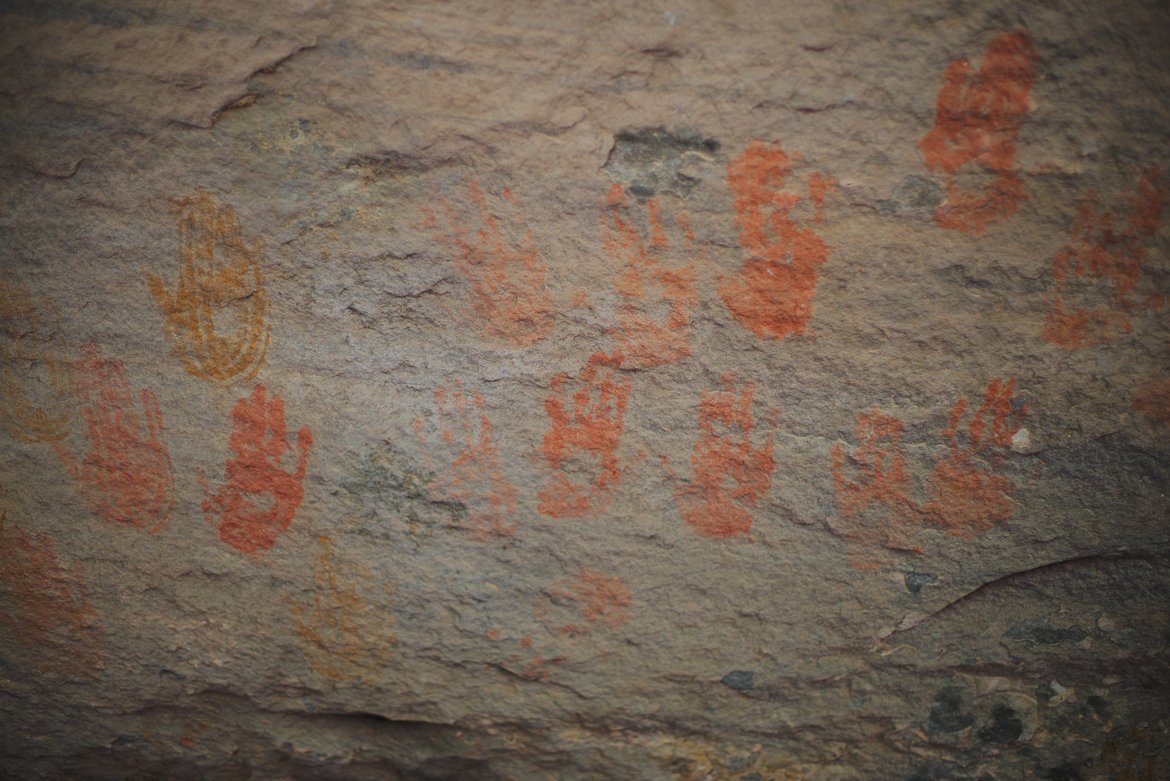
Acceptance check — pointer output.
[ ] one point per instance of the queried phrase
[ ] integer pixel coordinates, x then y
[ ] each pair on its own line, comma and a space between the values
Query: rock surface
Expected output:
494, 390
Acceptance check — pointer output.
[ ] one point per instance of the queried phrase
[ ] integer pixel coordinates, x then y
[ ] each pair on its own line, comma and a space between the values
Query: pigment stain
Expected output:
581, 447
596, 598
45, 606
878, 501
257, 502
1097, 274
474, 477
772, 292
219, 279
507, 277
37, 389
345, 635
654, 313
966, 495
729, 476
126, 474
976, 127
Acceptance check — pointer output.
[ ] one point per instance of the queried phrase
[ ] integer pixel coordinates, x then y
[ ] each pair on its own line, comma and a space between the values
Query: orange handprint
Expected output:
728, 475
589, 432
219, 273
977, 120
968, 497
346, 636
126, 475
255, 477
36, 377
507, 279
772, 292
475, 476
1102, 249
643, 337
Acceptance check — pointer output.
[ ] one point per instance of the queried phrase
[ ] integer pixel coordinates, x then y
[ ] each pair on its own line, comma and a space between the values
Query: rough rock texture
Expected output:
486, 390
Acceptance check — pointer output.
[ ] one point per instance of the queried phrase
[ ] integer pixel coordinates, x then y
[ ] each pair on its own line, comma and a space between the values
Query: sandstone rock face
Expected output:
484, 390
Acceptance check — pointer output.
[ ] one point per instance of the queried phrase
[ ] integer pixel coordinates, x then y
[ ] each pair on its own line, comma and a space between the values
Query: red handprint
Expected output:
507, 279
45, 604
1103, 250
967, 496
772, 293
728, 475
255, 477
475, 476
590, 431
126, 475
643, 337
977, 120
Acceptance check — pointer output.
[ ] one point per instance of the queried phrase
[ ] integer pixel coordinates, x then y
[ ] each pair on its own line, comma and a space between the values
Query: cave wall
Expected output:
510, 390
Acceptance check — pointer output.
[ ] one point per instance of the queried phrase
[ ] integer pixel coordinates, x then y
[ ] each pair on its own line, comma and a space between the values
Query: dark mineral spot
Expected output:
916, 580
1040, 633
1005, 726
947, 714
1064, 772
740, 680
654, 160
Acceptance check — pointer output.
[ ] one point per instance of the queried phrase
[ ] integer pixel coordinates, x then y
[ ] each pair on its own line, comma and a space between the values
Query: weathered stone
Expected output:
743, 391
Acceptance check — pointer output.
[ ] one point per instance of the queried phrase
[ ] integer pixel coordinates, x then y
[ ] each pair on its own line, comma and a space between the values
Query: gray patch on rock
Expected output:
914, 196
740, 680
1040, 633
654, 160
947, 714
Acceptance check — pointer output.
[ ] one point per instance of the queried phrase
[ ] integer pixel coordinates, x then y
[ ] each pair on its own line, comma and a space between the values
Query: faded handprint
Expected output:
260, 497
977, 122
126, 475
44, 604
507, 277
37, 391
645, 335
219, 277
878, 503
475, 478
967, 496
569, 613
772, 292
346, 636
729, 475
581, 447
1103, 249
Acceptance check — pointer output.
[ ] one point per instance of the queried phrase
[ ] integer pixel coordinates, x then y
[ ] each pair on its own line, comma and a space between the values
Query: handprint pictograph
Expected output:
772, 292
1104, 251
37, 391
729, 474
581, 447
976, 127
45, 606
474, 477
878, 499
346, 635
656, 300
502, 264
219, 282
126, 474
257, 502
573, 616
966, 492
967, 495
